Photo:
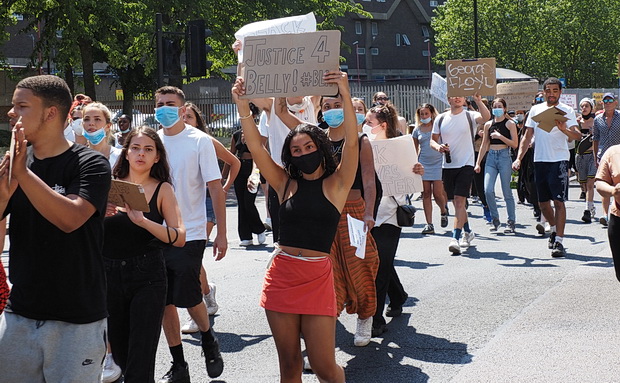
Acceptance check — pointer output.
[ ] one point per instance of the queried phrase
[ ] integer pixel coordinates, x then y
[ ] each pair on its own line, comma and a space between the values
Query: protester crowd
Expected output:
67, 240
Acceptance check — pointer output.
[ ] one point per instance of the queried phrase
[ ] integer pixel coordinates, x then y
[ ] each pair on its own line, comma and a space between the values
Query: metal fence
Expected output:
222, 119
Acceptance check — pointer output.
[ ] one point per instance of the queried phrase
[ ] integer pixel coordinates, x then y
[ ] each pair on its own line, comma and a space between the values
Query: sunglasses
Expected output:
383, 98
608, 100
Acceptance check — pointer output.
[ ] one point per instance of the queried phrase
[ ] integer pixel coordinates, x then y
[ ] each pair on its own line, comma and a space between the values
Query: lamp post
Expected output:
475, 28
430, 74
357, 57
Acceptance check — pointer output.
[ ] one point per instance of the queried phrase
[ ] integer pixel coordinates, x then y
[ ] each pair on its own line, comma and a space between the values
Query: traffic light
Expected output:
196, 49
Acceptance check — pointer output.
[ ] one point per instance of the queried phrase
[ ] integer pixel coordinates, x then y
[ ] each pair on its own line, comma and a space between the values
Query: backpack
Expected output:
471, 126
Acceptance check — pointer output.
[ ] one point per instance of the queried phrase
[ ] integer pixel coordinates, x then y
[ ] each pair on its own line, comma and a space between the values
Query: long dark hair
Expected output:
160, 170
318, 136
200, 122
388, 114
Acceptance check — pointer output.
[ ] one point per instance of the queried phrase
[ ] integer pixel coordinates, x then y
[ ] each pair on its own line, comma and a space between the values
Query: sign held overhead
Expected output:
466, 77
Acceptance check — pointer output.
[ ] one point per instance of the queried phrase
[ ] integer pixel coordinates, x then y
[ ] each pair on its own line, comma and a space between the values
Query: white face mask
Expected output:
296, 108
520, 117
367, 129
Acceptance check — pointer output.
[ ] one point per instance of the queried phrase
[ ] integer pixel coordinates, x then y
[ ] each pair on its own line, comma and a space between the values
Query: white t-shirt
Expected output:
114, 154
193, 163
551, 146
276, 131
455, 131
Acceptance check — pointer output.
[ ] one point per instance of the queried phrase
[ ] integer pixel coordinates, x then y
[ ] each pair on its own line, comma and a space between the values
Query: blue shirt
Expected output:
606, 136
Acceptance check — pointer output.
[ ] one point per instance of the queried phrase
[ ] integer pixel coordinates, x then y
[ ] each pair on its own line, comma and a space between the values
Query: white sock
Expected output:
559, 239
553, 229
590, 205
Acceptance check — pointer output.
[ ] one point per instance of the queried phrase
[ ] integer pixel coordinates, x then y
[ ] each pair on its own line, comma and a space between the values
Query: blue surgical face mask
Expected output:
498, 112
167, 116
95, 137
426, 120
334, 117
360, 118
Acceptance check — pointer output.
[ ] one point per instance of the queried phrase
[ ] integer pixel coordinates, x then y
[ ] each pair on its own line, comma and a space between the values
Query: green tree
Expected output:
563, 38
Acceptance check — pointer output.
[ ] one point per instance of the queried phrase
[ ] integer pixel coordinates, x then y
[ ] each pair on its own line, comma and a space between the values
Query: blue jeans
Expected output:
499, 162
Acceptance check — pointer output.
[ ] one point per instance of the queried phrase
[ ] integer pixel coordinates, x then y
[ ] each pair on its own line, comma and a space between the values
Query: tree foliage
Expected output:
574, 39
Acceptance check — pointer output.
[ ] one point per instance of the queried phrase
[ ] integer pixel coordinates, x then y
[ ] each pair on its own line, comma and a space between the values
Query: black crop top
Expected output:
502, 129
124, 239
338, 145
308, 220
239, 145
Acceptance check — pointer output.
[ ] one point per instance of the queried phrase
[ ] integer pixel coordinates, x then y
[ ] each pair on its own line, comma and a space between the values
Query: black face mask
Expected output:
587, 116
308, 163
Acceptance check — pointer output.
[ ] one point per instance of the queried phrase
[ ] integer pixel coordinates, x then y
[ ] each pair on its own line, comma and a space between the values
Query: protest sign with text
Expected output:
394, 160
466, 77
293, 24
439, 88
518, 95
290, 65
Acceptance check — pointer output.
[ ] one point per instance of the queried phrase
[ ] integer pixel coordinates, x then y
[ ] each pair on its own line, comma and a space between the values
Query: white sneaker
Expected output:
307, 366
111, 371
190, 327
246, 242
454, 246
209, 299
262, 237
547, 227
467, 238
363, 332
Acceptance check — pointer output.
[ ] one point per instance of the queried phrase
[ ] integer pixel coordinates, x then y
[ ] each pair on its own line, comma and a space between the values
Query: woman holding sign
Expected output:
132, 250
382, 121
298, 293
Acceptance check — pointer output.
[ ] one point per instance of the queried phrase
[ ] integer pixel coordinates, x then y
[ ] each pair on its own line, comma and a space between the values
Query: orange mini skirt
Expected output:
299, 285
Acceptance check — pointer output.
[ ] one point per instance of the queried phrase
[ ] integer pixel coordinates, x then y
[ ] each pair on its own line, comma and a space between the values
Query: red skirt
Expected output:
299, 285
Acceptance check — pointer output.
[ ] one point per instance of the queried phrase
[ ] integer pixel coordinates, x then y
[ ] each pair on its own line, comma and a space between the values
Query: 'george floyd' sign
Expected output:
466, 77
290, 65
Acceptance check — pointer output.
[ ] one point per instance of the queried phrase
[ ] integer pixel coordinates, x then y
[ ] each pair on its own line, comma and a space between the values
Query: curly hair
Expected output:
160, 170
318, 136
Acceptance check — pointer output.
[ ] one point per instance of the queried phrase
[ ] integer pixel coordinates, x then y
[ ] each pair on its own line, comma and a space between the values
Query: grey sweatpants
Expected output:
50, 351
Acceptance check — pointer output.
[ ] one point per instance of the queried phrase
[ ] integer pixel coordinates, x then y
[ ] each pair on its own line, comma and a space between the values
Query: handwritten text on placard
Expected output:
394, 159
466, 77
290, 65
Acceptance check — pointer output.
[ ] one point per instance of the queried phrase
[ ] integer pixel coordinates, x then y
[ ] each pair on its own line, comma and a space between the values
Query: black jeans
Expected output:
136, 300
478, 184
387, 282
248, 221
613, 232
273, 204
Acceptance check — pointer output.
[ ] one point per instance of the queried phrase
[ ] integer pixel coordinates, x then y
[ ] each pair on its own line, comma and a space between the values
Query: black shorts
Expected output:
458, 181
183, 270
551, 180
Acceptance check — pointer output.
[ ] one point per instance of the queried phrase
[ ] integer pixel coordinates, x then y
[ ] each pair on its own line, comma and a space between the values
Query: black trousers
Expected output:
478, 183
387, 282
249, 220
273, 204
613, 232
136, 300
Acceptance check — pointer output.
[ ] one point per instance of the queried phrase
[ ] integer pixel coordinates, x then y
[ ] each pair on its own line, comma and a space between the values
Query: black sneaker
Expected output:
540, 228
378, 331
552, 240
603, 221
582, 195
393, 311
213, 358
587, 216
558, 250
178, 373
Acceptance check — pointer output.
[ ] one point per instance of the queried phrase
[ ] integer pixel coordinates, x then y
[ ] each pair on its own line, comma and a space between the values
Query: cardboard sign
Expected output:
123, 192
546, 120
518, 95
466, 77
394, 160
439, 88
294, 24
569, 99
290, 65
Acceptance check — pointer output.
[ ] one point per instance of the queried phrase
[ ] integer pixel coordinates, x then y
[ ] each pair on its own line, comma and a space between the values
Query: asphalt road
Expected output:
504, 311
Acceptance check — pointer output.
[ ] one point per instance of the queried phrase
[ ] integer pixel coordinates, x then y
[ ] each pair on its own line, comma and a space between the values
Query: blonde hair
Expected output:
99, 106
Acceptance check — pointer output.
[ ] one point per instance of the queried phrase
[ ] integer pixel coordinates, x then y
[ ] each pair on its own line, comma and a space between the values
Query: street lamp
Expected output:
357, 57
430, 74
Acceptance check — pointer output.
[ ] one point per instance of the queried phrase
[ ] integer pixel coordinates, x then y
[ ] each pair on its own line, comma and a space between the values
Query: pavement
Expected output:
503, 311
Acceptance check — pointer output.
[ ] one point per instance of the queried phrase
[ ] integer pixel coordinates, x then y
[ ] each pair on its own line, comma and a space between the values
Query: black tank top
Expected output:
308, 220
502, 129
337, 146
124, 239
239, 145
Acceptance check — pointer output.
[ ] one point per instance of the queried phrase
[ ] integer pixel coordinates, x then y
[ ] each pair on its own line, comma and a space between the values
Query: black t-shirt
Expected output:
58, 275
